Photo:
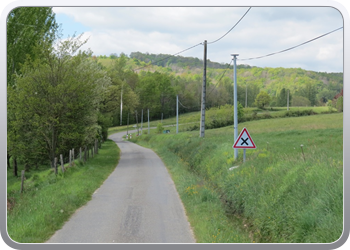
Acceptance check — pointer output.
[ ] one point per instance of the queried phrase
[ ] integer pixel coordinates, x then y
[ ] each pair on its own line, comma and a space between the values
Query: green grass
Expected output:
222, 117
276, 195
49, 200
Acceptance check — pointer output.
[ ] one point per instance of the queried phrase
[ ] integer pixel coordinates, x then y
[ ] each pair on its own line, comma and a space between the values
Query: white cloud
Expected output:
262, 31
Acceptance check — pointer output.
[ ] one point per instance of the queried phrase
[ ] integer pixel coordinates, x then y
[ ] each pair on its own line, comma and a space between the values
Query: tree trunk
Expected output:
8, 161
15, 167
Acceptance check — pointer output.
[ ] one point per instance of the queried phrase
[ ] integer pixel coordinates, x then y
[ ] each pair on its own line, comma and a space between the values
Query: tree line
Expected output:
55, 91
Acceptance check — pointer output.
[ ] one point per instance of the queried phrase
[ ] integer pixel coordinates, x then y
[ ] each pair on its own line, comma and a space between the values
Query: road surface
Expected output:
138, 203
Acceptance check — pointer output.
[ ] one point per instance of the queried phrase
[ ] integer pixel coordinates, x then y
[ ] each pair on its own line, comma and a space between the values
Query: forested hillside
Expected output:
155, 80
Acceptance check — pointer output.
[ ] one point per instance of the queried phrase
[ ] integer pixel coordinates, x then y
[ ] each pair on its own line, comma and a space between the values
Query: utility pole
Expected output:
177, 114
148, 121
121, 106
235, 119
141, 120
202, 124
127, 129
246, 95
137, 124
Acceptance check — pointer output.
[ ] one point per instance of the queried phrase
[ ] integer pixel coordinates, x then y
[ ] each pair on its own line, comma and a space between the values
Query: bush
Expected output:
339, 104
160, 128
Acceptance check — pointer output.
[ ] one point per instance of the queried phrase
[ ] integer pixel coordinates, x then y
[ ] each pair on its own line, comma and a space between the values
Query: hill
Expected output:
270, 79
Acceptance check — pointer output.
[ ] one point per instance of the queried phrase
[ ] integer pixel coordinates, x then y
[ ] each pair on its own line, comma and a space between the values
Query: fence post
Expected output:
55, 165
70, 158
73, 157
62, 164
85, 154
22, 180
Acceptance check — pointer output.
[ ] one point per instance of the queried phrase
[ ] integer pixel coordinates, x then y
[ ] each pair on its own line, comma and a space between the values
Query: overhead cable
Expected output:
170, 56
231, 28
221, 76
291, 47
182, 105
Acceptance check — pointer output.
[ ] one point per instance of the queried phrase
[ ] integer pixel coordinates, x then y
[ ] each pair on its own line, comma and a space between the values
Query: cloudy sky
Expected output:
169, 30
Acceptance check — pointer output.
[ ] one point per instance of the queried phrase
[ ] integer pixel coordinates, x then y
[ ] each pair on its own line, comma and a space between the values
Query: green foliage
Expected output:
160, 128
262, 99
339, 104
156, 93
27, 27
222, 116
282, 98
300, 101
55, 102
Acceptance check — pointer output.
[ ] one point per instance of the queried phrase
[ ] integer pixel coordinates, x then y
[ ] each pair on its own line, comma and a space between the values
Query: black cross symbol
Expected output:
244, 141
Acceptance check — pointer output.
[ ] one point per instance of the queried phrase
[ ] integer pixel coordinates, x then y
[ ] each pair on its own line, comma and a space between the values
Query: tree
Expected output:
120, 96
26, 28
262, 99
283, 97
156, 93
56, 100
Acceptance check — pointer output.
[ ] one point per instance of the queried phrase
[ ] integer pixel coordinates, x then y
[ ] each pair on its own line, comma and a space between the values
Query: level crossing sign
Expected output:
244, 140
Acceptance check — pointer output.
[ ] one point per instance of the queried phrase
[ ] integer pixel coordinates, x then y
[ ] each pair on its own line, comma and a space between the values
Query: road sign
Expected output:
244, 140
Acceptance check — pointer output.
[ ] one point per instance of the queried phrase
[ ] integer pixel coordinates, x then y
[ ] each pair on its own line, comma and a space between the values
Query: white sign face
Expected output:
244, 140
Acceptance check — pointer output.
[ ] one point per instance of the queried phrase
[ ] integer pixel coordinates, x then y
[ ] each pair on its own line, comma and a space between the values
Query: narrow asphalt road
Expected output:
138, 203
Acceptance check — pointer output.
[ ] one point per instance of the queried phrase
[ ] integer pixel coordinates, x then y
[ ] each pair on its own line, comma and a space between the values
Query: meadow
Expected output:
289, 190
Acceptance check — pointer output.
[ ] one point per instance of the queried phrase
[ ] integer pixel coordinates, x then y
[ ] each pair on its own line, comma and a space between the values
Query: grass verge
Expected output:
49, 200
281, 194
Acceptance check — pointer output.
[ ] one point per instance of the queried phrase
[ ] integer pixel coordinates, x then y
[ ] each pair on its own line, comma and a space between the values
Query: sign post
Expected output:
244, 141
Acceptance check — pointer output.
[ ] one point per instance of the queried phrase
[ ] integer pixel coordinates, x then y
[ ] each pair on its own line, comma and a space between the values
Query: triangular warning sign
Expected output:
244, 140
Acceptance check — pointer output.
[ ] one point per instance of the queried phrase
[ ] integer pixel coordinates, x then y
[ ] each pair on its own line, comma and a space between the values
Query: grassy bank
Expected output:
282, 193
49, 200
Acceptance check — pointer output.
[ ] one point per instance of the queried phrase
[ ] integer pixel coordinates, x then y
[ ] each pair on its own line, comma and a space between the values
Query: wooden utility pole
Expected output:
202, 122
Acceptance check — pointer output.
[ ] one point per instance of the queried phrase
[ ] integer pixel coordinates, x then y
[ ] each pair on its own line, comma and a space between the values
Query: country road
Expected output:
138, 203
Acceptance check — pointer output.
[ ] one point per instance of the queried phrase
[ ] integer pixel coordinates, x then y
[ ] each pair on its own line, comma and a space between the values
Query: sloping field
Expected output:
284, 192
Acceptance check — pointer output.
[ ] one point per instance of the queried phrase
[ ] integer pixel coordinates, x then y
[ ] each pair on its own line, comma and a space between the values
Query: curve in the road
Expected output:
138, 203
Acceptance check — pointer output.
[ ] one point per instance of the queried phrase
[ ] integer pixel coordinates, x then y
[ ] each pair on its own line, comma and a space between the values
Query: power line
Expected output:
231, 28
183, 105
221, 77
196, 44
169, 56
245, 59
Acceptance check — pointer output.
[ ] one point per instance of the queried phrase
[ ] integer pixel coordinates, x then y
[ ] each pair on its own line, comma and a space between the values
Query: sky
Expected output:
169, 30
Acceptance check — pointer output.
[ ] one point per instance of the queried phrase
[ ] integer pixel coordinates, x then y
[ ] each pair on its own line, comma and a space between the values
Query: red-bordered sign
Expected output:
244, 140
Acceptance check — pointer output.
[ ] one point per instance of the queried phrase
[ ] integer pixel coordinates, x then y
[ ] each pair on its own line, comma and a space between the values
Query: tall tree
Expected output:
26, 28
56, 99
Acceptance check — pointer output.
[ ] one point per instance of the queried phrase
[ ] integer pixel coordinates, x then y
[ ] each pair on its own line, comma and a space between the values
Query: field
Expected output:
191, 121
290, 189
284, 192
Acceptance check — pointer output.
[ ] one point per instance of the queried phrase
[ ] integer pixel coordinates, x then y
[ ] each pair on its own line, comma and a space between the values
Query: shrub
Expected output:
160, 128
